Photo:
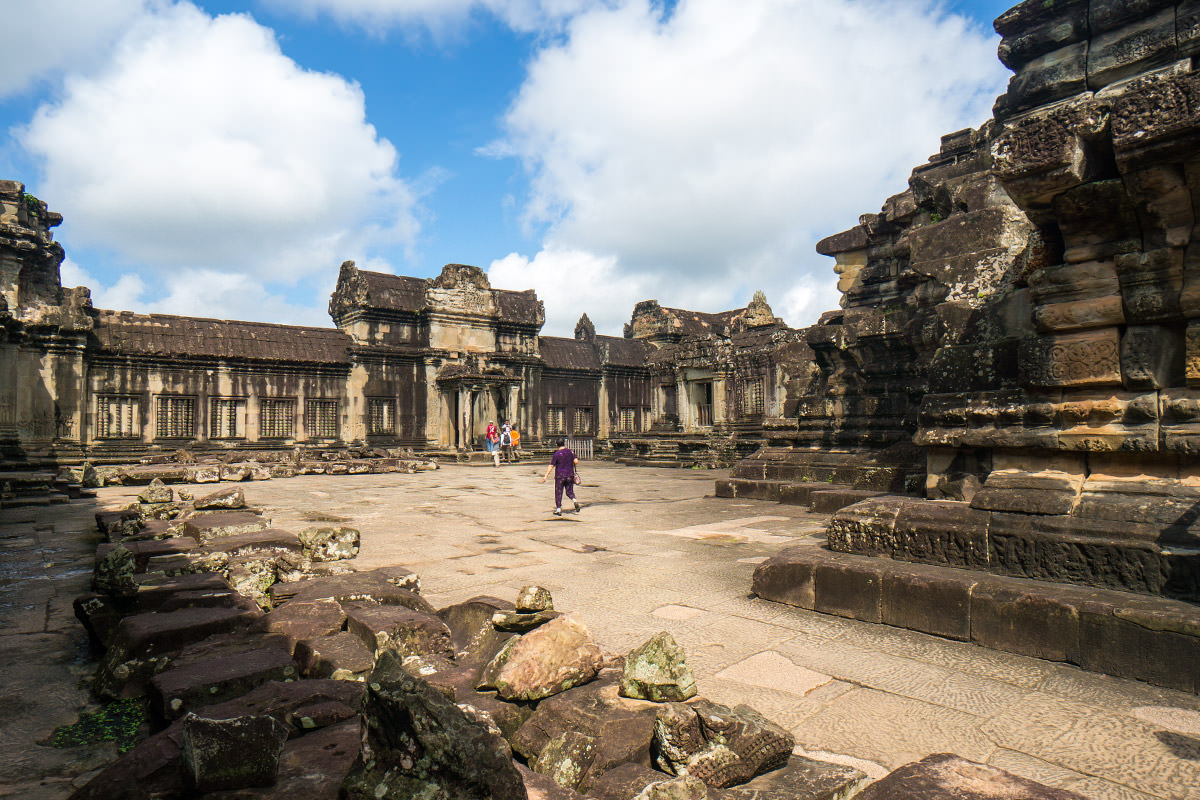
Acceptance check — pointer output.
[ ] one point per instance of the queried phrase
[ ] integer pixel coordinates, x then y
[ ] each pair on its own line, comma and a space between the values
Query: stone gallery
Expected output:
1001, 417
412, 362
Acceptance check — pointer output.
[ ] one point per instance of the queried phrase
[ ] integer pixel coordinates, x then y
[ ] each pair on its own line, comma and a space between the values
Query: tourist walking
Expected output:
492, 435
506, 441
563, 464
515, 435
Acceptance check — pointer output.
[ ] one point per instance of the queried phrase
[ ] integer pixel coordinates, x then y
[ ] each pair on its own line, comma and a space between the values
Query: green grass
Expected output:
119, 722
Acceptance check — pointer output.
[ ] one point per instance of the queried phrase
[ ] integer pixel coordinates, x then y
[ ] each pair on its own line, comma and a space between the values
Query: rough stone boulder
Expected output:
543, 787
114, 572
567, 758
329, 543
684, 787
147, 549
658, 671
156, 492
458, 681
622, 729
548, 660
386, 585
471, 631
398, 628
235, 753
532, 599
945, 776
422, 742
144, 643
718, 745
223, 499
625, 781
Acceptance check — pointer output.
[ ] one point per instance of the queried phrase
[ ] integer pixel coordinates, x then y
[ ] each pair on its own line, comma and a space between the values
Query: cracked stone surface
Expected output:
650, 551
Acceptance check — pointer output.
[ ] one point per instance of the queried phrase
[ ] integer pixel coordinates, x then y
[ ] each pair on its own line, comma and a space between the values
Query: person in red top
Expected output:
563, 464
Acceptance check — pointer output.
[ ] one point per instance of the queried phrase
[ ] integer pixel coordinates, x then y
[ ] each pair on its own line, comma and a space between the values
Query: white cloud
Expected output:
715, 146
207, 293
47, 36
200, 146
439, 15
126, 293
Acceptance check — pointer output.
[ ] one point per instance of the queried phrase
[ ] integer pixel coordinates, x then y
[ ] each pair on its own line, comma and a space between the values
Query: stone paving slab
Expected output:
652, 550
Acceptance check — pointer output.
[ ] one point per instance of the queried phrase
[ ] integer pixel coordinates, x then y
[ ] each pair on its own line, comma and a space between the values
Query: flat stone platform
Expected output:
651, 550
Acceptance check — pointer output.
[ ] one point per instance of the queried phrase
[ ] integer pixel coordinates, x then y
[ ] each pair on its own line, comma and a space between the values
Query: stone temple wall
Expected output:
1055, 312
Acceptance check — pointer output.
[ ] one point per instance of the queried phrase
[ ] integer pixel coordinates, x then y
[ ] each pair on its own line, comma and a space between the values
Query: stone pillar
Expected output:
513, 410
718, 400
463, 420
604, 405
683, 403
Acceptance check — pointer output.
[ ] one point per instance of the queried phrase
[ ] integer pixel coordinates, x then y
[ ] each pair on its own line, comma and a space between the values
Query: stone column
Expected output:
603, 421
683, 403
463, 420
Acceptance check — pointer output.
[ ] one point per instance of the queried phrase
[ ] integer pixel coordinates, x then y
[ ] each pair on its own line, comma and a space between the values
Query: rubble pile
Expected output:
271, 668
183, 466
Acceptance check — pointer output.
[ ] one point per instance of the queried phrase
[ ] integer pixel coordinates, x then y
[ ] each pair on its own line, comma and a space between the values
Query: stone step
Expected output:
1151, 639
831, 499
1124, 556
750, 489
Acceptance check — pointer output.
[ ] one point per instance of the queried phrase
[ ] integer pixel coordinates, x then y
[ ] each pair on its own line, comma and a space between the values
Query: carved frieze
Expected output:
1082, 359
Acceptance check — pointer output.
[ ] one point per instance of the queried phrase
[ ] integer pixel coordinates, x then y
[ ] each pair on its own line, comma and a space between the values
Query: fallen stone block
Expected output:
235, 753
156, 492
945, 776
519, 622
228, 499
341, 655
622, 728
100, 615
625, 781
329, 543
471, 630
144, 550
156, 591
548, 660
305, 619
719, 745
219, 669
658, 671
115, 525
465, 758
398, 628
312, 766
543, 787
532, 599
143, 644
566, 758
386, 585
205, 528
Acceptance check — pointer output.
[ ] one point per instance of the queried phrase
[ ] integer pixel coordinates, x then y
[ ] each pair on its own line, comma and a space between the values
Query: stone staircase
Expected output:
823, 481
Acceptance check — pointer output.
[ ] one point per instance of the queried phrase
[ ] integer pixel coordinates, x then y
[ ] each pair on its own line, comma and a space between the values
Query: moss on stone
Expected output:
120, 721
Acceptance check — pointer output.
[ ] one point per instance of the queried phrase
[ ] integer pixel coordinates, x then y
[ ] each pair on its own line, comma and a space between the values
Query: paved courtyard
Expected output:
652, 550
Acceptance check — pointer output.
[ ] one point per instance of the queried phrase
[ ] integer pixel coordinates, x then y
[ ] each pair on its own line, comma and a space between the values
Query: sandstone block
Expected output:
471, 630
302, 619
223, 499
386, 585
1082, 359
549, 660
233, 753
216, 672
156, 492
204, 528
658, 671
398, 628
340, 655
330, 543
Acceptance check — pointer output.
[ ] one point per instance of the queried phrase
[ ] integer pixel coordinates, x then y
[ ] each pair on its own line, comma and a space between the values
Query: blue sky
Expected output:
222, 158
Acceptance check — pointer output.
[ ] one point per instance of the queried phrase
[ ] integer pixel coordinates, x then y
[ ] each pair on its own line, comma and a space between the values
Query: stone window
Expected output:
176, 418
227, 418
381, 415
321, 419
752, 396
277, 418
626, 419
556, 420
583, 421
118, 417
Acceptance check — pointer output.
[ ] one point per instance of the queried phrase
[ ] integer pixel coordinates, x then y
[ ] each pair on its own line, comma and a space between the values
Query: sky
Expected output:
222, 159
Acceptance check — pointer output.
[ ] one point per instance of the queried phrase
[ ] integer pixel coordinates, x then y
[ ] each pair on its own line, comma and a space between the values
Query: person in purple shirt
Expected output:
563, 464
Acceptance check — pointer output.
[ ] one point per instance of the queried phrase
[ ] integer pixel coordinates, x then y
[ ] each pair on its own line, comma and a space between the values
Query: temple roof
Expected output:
127, 333
560, 353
